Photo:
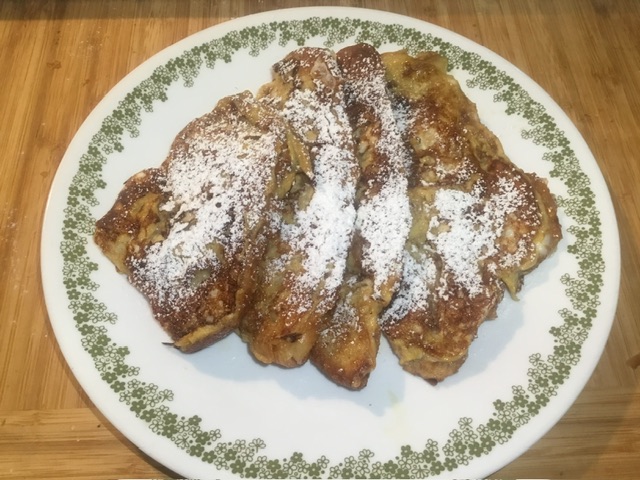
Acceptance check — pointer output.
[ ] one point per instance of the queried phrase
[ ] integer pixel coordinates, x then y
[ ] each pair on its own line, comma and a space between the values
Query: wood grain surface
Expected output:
59, 58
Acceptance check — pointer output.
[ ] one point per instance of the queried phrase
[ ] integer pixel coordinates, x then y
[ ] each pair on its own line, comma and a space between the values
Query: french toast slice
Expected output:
348, 342
305, 261
190, 234
479, 223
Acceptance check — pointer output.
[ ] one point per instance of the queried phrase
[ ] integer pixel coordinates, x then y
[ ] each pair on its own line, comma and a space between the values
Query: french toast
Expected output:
190, 234
478, 222
305, 262
348, 341
356, 196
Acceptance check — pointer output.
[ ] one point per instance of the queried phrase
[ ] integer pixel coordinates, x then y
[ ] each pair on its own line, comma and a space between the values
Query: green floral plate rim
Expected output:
217, 414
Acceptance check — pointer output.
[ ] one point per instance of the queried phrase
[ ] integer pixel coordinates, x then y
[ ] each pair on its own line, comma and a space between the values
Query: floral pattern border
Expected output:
468, 441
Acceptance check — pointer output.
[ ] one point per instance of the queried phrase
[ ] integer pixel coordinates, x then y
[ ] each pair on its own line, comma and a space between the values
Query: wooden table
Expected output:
59, 58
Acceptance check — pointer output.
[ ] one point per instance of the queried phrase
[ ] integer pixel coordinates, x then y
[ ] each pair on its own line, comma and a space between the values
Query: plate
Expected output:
219, 414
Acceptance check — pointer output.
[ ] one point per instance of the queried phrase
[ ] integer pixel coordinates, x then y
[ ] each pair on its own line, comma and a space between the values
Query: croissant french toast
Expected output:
348, 342
305, 262
190, 234
478, 222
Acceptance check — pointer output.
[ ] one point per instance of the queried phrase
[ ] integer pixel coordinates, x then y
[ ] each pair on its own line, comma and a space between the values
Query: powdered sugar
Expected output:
321, 233
316, 121
383, 216
467, 225
463, 233
345, 316
419, 274
383, 222
216, 181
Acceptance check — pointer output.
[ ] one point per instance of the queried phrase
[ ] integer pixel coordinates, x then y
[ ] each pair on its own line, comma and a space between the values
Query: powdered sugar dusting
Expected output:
463, 233
322, 232
466, 228
383, 222
344, 316
418, 278
383, 216
216, 181
315, 120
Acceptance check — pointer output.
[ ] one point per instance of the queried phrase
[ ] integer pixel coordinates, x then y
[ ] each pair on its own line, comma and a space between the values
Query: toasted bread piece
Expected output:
306, 260
189, 235
479, 223
348, 344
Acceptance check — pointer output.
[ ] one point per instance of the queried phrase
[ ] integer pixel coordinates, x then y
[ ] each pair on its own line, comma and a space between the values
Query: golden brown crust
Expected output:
305, 261
477, 221
135, 220
189, 234
348, 343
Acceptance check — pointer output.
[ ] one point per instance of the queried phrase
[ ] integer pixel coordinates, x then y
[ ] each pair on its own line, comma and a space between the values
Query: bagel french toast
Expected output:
190, 234
479, 223
348, 342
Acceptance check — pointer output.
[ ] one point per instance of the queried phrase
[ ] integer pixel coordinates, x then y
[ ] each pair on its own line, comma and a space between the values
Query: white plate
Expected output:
219, 414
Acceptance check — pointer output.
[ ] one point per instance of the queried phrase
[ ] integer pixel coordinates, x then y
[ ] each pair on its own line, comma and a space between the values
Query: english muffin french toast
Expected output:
348, 342
479, 222
190, 234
